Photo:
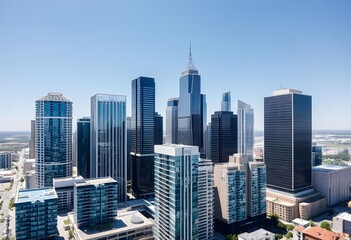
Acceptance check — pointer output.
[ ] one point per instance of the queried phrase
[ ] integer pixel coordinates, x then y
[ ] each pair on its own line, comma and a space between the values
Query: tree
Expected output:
278, 236
312, 224
289, 235
325, 225
281, 225
289, 227
274, 219
232, 237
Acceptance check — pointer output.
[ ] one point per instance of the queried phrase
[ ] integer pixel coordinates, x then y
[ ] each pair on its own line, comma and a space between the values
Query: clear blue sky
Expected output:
80, 48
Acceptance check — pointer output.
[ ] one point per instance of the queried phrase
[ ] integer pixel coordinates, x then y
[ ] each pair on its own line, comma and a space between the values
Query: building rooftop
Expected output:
123, 223
300, 222
176, 149
30, 160
67, 181
260, 234
344, 215
284, 91
321, 233
35, 194
329, 168
54, 96
95, 181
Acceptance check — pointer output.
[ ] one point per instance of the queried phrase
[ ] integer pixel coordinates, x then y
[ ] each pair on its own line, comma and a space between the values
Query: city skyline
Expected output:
82, 49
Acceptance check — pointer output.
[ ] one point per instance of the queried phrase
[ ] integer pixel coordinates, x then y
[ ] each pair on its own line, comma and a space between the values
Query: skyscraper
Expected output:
172, 121
129, 147
5, 160
224, 134
142, 136
176, 192
205, 199
53, 138
191, 108
32, 140
226, 104
317, 155
288, 140
245, 129
108, 153
158, 129
83, 147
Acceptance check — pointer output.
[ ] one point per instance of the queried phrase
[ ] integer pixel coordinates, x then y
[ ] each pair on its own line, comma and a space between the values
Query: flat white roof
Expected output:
176, 149
330, 167
125, 222
284, 91
344, 215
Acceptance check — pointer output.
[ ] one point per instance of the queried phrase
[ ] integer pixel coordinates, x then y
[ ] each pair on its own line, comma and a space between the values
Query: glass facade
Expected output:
158, 129
53, 139
256, 189
83, 147
95, 201
245, 130
142, 136
236, 193
191, 108
108, 134
317, 155
176, 192
36, 214
226, 102
172, 121
288, 141
224, 135
5, 160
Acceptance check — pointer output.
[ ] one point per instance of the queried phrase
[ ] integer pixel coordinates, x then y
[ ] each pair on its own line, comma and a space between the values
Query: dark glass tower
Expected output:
317, 155
191, 108
288, 140
158, 133
53, 139
224, 136
83, 147
142, 136
172, 121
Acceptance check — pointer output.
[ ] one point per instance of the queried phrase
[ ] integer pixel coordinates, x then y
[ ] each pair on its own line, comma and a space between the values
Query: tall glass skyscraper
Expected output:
172, 121
142, 136
224, 135
245, 129
226, 104
53, 139
108, 134
176, 192
191, 108
288, 140
83, 147
158, 129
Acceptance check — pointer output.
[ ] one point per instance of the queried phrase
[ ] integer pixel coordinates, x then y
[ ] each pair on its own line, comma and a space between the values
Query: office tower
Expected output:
74, 148
129, 148
53, 139
245, 129
208, 141
143, 114
176, 192
32, 140
256, 190
83, 147
191, 108
95, 201
172, 121
5, 160
205, 199
230, 196
224, 136
317, 155
108, 152
36, 214
226, 104
288, 140
158, 129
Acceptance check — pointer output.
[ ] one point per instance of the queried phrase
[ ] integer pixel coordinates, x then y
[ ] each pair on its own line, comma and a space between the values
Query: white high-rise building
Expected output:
245, 129
176, 192
172, 121
205, 199
108, 134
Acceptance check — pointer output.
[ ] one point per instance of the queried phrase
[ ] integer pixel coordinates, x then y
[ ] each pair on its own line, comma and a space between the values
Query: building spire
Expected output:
190, 68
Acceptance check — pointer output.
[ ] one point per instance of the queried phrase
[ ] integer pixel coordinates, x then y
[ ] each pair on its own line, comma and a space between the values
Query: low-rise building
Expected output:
342, 223
301, 222
315, 233
128, 225
333, 182
260, 234
36, 213
64, 188
305, 205
6, 176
